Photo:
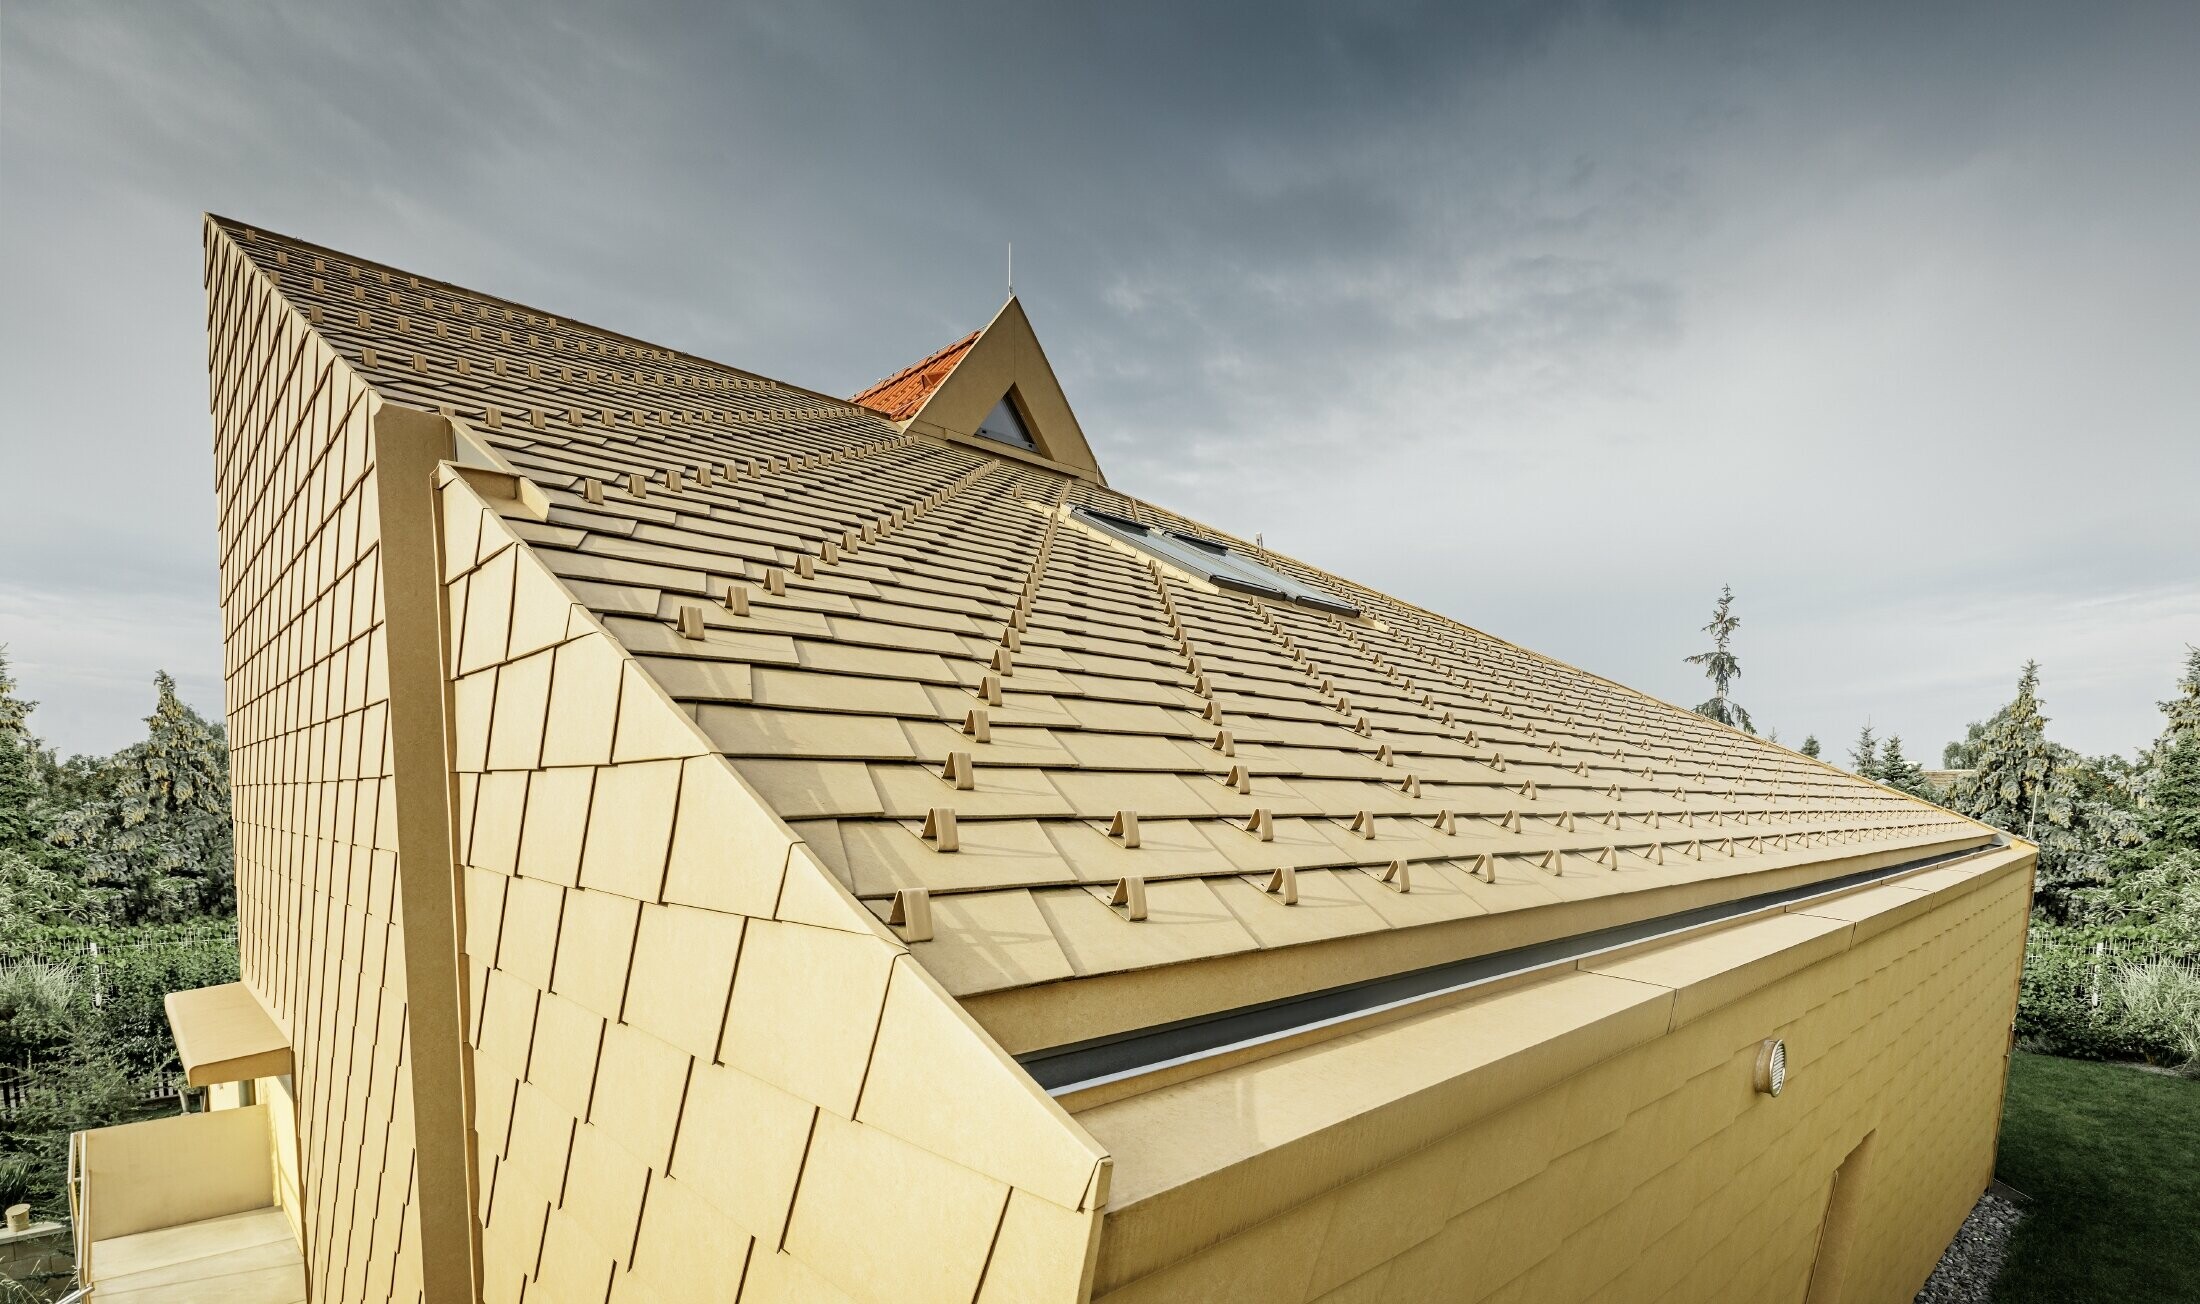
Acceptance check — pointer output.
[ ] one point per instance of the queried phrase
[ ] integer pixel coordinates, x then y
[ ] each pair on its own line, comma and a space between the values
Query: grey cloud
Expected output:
1552, 317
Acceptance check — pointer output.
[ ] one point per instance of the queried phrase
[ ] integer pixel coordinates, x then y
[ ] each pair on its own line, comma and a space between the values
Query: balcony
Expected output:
184, 1210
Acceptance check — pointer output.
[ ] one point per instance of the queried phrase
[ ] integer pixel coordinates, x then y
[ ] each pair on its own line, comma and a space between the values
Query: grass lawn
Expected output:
2111, 1158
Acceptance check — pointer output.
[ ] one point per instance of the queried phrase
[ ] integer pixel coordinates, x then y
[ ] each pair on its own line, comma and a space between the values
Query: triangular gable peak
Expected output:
994, 388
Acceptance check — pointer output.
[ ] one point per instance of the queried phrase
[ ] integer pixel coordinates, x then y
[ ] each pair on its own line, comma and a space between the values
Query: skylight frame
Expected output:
1214, 561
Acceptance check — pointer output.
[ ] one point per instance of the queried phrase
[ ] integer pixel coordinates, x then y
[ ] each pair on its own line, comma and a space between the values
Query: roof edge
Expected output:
230, 226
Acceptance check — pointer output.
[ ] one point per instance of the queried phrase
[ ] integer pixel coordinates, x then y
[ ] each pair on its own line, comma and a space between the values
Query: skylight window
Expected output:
1214, 561
1004, 425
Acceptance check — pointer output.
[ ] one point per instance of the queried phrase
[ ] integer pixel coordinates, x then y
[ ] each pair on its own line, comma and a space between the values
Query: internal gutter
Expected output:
1074, 1070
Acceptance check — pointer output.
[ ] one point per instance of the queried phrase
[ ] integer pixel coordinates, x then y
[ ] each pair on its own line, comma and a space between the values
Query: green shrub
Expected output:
2158, 1006
16, 1179
2066, 1004
35, 989
84, 1036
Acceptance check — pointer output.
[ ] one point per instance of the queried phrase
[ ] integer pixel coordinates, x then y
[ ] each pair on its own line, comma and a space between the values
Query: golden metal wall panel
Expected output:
676, 999
295, 482
1654, 1171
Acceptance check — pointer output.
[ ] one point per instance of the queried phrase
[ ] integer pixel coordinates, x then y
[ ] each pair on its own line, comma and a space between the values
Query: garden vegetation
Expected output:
117, 886
2112, 967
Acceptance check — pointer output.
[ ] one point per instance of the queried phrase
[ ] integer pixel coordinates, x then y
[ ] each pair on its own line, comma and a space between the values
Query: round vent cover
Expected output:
1772, 1066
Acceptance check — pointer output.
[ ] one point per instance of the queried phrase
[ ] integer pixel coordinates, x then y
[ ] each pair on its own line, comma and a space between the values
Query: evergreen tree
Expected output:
1810, 746
1721, 666
2077, 811
15, 713
1963, 755
39, 881
2183, 710
154, 827
2015, 783
2181, 720
20, 779
88, 848
2152, 888
1864, 754
1900, 772
2171, 816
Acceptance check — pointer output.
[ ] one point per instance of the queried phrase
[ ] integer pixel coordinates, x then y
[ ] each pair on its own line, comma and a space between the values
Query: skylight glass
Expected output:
1003, 425
1214, 561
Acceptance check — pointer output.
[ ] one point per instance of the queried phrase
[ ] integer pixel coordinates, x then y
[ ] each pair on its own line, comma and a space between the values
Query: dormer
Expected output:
994, 389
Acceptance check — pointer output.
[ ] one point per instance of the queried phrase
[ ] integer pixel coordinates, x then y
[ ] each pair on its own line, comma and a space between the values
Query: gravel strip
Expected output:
1966, 1272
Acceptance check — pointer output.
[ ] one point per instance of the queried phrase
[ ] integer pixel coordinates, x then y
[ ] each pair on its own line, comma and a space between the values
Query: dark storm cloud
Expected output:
1553, 317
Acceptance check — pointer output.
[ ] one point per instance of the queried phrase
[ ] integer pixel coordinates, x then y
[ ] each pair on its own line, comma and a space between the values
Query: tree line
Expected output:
2113, 965
117, 886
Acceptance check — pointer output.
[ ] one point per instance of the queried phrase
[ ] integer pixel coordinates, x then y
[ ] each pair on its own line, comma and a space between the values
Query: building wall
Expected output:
701, 1069
305, 672
1660, 1173
632, 1126
282, 1127
282, 1132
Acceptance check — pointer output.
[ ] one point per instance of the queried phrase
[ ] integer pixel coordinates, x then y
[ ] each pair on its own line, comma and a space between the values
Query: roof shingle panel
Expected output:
892, 587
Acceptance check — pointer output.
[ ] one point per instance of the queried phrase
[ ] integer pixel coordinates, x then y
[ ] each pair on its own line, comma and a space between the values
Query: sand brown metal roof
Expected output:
985, 713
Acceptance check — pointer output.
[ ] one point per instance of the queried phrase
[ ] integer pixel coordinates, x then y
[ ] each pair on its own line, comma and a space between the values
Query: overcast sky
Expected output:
1551, 318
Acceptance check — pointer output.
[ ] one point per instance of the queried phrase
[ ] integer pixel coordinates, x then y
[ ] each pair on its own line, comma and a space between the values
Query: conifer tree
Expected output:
1810, 746
28, 775
2014, 783
2167, 777
39, 880
155, 831
2180, 720
1900, 772
2183, 710
1864, 753
20, 785
2152, 879
1721, 666
2046, 793
174, 798
2172, 816
1963, 754
15, 713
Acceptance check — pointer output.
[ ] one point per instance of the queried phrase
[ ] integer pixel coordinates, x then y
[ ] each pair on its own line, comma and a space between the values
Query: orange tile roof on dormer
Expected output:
903, 394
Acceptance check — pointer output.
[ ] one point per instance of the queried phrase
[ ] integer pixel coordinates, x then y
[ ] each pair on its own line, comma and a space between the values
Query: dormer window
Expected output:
1005, 425
1214, 561
993, 385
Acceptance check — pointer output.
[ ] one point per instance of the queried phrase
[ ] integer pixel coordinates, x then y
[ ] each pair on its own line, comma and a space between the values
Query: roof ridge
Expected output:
236, 229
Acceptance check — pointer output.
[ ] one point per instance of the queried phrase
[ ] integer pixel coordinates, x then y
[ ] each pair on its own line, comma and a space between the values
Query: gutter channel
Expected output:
1066, 1070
